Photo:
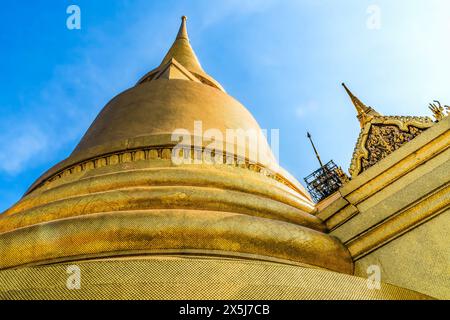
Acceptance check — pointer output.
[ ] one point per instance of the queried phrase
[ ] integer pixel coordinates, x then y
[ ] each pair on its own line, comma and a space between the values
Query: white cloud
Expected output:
224, 9
56, 116
23, 148
306, 109
68, 102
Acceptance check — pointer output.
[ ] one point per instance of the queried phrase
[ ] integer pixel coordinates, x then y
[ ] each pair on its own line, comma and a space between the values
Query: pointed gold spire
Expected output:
360, 107
181, 62
182, 33
364, 112
182, 51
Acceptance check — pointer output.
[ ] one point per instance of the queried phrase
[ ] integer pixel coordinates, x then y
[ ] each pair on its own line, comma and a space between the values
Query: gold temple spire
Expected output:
182, 33
181, 62
364, 112
182, 51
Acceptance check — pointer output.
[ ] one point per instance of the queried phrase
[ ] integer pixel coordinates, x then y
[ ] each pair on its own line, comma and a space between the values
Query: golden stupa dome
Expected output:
119, 194
176, 95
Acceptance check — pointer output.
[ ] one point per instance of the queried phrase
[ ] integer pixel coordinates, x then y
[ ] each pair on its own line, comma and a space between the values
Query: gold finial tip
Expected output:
182, 33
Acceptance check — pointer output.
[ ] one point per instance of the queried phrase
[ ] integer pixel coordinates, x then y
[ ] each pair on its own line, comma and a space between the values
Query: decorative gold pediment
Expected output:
381, 136
174, 70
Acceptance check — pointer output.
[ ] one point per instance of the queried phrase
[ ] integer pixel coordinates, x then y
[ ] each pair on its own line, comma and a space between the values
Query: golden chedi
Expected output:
137, 225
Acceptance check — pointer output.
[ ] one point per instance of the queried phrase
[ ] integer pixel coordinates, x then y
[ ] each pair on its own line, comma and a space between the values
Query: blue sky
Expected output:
284, 60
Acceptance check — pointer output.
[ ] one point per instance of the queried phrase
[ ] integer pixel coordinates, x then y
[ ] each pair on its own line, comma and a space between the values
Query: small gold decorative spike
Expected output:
364, 112
439, 111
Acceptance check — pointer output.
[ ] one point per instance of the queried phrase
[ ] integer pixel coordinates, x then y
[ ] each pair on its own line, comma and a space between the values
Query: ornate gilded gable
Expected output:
381, 136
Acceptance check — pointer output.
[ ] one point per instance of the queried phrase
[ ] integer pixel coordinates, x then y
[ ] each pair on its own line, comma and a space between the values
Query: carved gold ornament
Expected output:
439, 112
382, 136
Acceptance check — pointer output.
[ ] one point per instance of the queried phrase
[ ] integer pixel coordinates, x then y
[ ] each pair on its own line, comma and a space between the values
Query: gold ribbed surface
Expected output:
138, 232
191, 278
149, 205
119, 194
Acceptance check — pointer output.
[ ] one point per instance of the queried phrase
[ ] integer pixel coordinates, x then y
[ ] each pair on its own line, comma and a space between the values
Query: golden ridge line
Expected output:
160, 153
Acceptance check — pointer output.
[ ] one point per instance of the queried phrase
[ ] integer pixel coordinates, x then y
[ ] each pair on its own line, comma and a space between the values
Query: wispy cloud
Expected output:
225, 9
23, 147
307, 109
56, 116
